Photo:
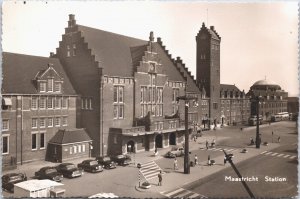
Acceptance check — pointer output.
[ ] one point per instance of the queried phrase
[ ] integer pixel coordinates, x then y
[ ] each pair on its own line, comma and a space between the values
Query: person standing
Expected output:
278, 139
272, 136
175, 164
196, 160
225, 160
206, 145
159, 178
208, 160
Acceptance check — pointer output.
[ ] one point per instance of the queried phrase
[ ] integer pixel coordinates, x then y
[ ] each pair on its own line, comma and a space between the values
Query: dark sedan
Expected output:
106, 162
122, 160
49, 173
69, 170
8, 180
90, 166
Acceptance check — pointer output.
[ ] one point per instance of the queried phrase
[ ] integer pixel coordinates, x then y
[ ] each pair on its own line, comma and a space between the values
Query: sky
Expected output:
258, 40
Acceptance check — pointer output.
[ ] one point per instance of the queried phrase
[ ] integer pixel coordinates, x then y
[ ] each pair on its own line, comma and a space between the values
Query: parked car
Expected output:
8, 180
90, 165
69, 170
175, 152
106, 162
49, 173
122, 160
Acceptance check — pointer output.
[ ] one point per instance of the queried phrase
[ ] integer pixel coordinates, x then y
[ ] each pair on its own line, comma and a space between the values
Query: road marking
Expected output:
230, 150
274, 154
280, 155
186, 192
264, 152
268, 153
292, 157
286, 156
174, 192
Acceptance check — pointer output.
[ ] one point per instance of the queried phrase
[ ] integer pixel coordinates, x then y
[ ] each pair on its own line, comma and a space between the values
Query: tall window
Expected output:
42, 140
64, 121
215, 105
42, 122
34, 123
5, 125
118, 102
64, 104
74, 49
42, 103
57, 87
68, 51
57, 121
143, 101
58, 102
33, 141
50, 85
34, 102
5, 144
159, 102
174, 99
42, 86
50, 122
50, 103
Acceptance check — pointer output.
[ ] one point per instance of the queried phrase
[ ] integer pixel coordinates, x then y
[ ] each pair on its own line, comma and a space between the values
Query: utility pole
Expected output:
228, 158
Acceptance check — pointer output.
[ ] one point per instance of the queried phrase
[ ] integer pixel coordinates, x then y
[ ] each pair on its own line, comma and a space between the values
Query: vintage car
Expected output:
90, 166
175, 152
8, 180
49, 173
106, 162
122, 160
69, 170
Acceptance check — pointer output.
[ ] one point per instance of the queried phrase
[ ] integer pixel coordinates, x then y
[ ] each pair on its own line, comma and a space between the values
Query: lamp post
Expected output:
258, 138
186, 124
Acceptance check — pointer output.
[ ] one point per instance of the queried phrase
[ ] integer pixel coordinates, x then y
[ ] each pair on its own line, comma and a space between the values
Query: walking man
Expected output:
225, 160
278, 139
196, 160
272, 136
159, 178
206, 145
175, 164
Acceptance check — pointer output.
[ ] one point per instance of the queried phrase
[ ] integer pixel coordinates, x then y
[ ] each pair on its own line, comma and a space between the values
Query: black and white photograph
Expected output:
149, 99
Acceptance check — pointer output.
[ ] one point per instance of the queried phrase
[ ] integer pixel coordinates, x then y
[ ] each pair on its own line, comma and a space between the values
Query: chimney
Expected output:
72, 21
151, 37
51, 54
158, 40
212, 28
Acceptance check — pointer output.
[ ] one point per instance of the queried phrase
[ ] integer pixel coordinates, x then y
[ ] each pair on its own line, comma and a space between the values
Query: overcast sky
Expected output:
258, 39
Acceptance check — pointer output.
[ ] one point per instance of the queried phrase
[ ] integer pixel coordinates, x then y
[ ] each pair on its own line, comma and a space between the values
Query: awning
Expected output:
36, 185
153, 132
6, 101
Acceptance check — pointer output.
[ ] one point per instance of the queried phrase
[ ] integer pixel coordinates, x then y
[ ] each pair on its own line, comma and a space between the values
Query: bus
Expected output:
252, 120
280, 116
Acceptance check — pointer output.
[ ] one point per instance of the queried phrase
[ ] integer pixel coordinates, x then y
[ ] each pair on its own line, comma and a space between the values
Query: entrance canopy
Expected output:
153, 132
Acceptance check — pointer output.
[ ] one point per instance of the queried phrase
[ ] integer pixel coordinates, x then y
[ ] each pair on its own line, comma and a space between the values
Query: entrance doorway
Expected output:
130, 147
172, 139
158, 141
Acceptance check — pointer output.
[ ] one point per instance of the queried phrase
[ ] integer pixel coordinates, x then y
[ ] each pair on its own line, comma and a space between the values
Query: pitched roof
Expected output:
70, 136
229, 87
113, 51
20, 70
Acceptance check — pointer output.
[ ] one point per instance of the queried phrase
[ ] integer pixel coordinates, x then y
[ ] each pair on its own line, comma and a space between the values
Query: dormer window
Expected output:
42, 87
57, 87
50, 85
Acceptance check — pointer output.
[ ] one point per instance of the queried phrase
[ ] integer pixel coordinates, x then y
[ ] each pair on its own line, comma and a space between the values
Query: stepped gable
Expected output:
112, 50
64, 136
137, 54
210, 30
192, 84
19, 72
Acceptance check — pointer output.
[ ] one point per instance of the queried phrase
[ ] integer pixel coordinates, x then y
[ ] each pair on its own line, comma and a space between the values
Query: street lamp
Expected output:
186, 124
256, 100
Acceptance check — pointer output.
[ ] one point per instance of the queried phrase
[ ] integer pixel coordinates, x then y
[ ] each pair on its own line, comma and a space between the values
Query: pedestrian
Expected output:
196, 160
208, 160
175, 164
278, 139
206, 144
225, 160
272, 136
159, 178
195, 138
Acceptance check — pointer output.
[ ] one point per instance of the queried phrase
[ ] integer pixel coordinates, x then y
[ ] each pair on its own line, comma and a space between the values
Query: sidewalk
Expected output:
178, 179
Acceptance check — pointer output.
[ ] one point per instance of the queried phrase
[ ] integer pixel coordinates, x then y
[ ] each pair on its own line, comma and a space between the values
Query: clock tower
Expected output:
208, 68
